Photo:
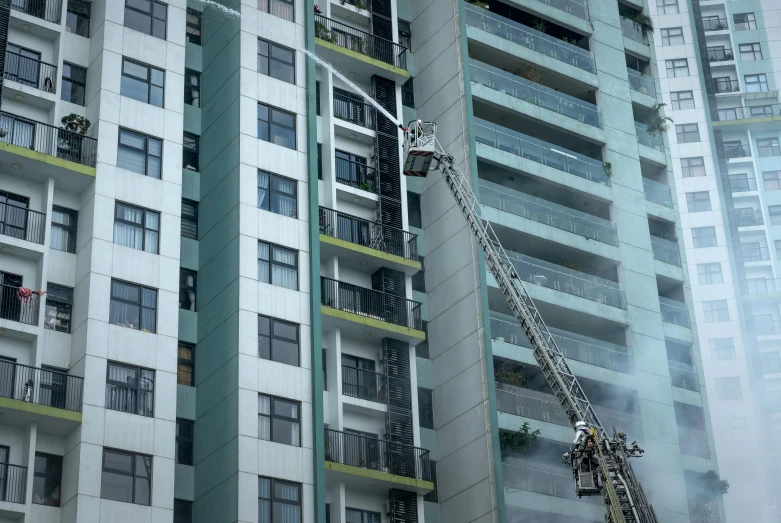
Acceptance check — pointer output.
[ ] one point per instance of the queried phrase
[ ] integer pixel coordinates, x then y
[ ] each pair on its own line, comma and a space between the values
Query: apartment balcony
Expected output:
714, 23
657, 193
574, 346
720, 54
674, 312
534, 93
29, 72
574, 7
538, 151
683, 375
748, 218
17, 306
739, 115
351, 49
23, 224
754, 252
542, 478
742, 183
13, 486
725, 85
358, 310
548, 213
641, 83
368, 245
364, 384
49, 10
357, 459
693, 442
634, 31
765, 326
529, 38
737, 151
356, 175
762, 286
666, 251
354, 111
648, 138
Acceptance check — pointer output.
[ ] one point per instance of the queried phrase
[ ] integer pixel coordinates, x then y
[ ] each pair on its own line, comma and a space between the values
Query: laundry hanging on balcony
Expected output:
24, 294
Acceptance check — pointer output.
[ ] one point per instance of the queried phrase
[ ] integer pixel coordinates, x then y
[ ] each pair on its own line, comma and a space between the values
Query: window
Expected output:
682, 100
189, 219
677, 68
760, 111
47, 480
408, 94
127, 477
183, 511
192, 88
77, 17
278, 501
281, 8
140, 153
146, 16
772, 180
276, 61
63, 235
193, 26
703, 237
667, 7
276, 194
276, 126
771, 362
74, 83
142, 82
715, 311
728, 388
185, 371
698, 201
724, 84
745, 21
130, 389
738, 430
750, 52
133, 306
691, 167
722, 349
425, 408
405, 34
319, 161
283, 265
279, 420
190, 148
775, 214
709, 273
672, 36
184, 441
419, 279
768, 147
353, 515
188, 281
136, 228
59, 306
756, 83
278, 340
413, 210
687, 133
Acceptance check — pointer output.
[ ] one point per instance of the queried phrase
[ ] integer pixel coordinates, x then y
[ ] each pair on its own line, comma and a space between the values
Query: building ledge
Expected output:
408, 266
48, 159
348, 320
390, 480
42, 410
397, 74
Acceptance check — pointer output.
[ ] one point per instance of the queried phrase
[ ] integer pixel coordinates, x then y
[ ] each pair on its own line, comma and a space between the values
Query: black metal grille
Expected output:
41, 386
22, 223
13, 483
354, 111
370, 303
15, 305
355, 174
368, 234
48, 10
373, 46
5, 16
30, 72
363, 384
47, 139
404, 506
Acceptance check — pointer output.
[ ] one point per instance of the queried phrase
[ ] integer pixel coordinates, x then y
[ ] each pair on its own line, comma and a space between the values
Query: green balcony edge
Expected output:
391, 258
371, 322
46, 158
362, 57
380, 476
43, 410
747, 121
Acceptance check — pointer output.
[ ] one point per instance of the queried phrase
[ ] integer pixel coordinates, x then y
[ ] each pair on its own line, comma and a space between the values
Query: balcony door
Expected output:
10, 304
359, 379
362, 449
7, 376
13, 214
4, 452
53, 387
22, 65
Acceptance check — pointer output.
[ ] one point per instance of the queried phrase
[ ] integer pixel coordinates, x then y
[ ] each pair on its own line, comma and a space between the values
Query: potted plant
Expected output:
655, 122
69, 143
76, 123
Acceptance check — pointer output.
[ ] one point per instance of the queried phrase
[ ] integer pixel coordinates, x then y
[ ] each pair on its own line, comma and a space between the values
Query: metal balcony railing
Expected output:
368, 234
530, 38
573, 7
736, 151
549, 213
756, 286
658, 193
377, 454
47, 139
665, 251
742, 183
634, 31
567, 280
22, 223
642, 83
648, 138
574, 346
714, 24
361, 42
725, 85
354, 111
693, 442
539, 151
49, 10
674, 311
754, 252
13, 483
363, 384
683, 375
41, 386
746, 113
30, 72
532, 92
16, 305
370, 303
748, 217
357, 175
720, 54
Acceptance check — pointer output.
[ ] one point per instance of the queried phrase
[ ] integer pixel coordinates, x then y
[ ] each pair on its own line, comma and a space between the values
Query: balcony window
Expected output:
724, 84
750, 53
276, 194
278, 501
47, 479
276, 61
353, 515
353, 170
709, 273
405, 34
425, 408
667, 7
192, 88
63, 231
698, 201
770, 362
715, 311
183, 511
133, 306
146, 16
722, 349
703, 237
24, 66
59, 307
277, 266
127, 477
136, 228
413, 210
691, 167
682, 100
276, 126
184, 441
140, 153
772, 180
130, 389
185, 371
775, 214
282, 8
74, 83
193, 26
687, 133
190, 150
77, 17
189, 219
408, 94
188, 281
672, 36
768, 147
677, 68
278, 341
728, 389
744, 21
142, 82
756, 83
279, 420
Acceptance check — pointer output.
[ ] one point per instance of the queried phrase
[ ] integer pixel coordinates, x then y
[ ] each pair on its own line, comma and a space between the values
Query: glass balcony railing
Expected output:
648, 138
747, 113
658, 193
549, 213
538, 151
748, 217
736, 151
683, 375
666, 251
574, 346
567, 280
642, 83
693, 442
634, 31
755, 286
534, 93
573, 7
754, 252
674, 311
542, 478
530, 38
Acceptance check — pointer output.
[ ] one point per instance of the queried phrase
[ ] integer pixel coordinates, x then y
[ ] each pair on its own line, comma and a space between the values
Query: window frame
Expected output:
774, 212
85, 13
178, 516
185, 287
187, 440
140, 305
188, 151
426, 408
688, 169
148, 81
190, 219
270, 46
133, 473
69, 67
714, 348
662, 7
679, 103
58, 302
47, 477
750, 22
414, 209
772, 359
408, 93
190, 88
70, 230
709, 273
139, 391
759, 79
191, 36
272, 499
271, 263
142, 226
271, 191
152, 18
713, 314
667, 37
754, 48
264, 6
676, 66
404, 30
270, 123
765, 144
272, 416
366, 516
721, 390
685, 131
771, 180
696, 200
145, 151
271, 336
187, 363
697, 239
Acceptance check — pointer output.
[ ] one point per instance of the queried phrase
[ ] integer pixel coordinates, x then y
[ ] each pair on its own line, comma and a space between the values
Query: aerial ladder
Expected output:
600, 461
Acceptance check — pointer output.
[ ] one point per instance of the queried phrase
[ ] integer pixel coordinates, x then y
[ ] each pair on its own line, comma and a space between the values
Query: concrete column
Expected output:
29, 452
327, 136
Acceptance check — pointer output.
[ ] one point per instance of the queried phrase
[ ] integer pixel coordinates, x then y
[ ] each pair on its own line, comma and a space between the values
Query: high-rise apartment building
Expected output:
338, 352
719, 63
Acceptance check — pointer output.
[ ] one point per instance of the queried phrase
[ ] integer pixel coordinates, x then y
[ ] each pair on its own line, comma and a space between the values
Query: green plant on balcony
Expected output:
522, 441
540, 25
642, 22
508, 372
655, 122
477, 3
357, 45
364, 186
704, 504
322, 32
533, 75
75, 123
360, 5
608, 168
